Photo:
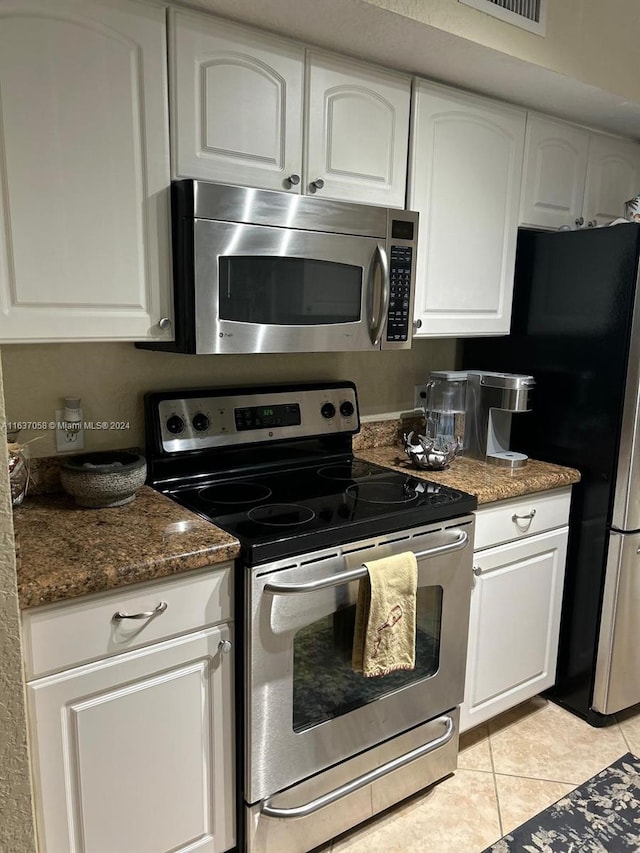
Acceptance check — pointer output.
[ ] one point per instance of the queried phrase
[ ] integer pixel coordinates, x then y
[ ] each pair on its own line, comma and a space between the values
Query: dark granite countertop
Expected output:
65, 551
488, 482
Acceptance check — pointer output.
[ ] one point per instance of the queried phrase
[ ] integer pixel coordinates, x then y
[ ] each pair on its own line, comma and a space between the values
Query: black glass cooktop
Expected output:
286, 512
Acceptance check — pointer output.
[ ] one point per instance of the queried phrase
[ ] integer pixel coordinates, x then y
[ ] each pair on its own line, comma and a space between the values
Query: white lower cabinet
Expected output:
134, 753
515, 609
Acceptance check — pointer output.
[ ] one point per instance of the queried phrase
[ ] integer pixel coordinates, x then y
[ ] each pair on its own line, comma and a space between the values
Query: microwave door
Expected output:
259, 289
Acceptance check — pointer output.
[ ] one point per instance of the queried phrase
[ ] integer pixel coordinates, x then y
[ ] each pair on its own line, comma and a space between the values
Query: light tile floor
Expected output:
508, 770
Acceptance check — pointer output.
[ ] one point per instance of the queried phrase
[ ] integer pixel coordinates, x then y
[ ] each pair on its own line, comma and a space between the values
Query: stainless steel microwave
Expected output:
257, 271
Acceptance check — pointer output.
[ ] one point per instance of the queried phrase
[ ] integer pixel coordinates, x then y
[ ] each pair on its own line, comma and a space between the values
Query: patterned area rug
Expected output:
600, 816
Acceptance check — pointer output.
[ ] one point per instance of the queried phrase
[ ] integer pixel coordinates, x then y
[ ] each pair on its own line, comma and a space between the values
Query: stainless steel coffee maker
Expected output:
491, 400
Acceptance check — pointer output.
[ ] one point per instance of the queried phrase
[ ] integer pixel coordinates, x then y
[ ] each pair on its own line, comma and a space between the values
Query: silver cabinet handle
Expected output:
477, 571
379, 314
293, 180
224, 647
580, 221
417, 324
517, 517
366, 778
316, 185
118, 616
355, 574
165, 324
591, 223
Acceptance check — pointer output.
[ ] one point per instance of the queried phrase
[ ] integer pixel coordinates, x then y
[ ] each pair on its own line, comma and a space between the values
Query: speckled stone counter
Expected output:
64, 551
488, 482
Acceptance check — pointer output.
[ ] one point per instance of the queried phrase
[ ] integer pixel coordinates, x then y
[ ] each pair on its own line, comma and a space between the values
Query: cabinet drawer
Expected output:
70, 633
506, 521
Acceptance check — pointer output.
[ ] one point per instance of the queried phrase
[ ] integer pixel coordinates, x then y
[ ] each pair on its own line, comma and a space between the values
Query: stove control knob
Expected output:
175, 424
346, 409
200, 422
328, 410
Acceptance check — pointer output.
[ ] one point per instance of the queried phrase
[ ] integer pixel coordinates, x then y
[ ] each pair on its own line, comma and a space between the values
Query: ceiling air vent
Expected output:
527, 14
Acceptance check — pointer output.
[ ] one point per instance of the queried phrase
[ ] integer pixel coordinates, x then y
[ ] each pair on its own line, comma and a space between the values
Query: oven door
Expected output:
262, 289
306, 709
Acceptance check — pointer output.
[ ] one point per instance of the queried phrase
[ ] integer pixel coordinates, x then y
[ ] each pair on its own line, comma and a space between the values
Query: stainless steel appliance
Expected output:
491, 400
576, 327
261, 271
323, 747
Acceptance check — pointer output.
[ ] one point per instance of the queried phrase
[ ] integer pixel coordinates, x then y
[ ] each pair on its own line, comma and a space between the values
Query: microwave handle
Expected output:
378, 317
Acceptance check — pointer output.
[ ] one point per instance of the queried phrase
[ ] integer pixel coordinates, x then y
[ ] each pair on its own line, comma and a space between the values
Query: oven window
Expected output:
324, 684
289, 291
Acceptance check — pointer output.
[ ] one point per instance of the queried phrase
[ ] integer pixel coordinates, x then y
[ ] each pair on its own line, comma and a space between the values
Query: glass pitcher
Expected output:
444, 407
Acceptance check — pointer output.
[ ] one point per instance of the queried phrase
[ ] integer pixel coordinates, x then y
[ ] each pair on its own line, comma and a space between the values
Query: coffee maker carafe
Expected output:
444, 408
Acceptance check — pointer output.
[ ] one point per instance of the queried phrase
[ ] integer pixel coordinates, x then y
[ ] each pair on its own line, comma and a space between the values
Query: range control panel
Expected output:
217, 418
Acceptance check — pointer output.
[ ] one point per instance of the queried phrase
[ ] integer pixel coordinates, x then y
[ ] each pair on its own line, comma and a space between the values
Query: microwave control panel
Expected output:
400, 266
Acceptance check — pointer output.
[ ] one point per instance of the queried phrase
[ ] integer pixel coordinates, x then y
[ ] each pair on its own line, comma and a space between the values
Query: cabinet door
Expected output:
613, 177
357, 132
135, 754
555, 165
465, 173
84, 227
514, 624
236, 104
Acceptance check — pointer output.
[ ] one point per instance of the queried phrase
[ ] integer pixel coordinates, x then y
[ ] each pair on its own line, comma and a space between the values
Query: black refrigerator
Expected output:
576, 329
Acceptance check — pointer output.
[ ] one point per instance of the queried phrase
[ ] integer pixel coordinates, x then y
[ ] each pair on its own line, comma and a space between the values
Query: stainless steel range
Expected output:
323, 747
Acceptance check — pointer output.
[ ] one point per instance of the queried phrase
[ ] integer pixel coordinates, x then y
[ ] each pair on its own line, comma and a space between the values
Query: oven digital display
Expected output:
265, 417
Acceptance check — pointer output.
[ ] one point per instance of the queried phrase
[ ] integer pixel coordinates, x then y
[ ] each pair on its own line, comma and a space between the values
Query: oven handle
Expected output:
378, 320
461, 541
365, 779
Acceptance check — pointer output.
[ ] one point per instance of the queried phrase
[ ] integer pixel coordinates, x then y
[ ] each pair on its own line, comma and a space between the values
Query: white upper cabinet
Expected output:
465, 173
236, 104
240, 99
613, 177
84, 205
357, 131
554, 173
575, 178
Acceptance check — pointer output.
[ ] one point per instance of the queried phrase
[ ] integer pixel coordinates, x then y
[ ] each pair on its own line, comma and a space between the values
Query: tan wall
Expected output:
112, 378
588, 40
16, 825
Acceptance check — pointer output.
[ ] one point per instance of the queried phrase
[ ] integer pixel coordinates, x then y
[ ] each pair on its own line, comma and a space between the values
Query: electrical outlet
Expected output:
419, 396
67, 440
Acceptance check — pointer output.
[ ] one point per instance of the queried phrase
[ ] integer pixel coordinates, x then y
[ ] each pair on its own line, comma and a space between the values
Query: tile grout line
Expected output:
495, 782
621, 730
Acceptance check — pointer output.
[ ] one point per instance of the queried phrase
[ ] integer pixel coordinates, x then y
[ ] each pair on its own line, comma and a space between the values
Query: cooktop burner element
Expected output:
385, 492
235, 493
289, 484
355, 470
281, 515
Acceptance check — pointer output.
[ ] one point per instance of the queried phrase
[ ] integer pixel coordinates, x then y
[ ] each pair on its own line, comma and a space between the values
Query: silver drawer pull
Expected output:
366, 778
224, 647
118, 616
516, 517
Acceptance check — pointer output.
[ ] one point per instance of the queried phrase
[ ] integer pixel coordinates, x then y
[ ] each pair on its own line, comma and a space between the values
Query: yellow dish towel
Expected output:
385, 633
